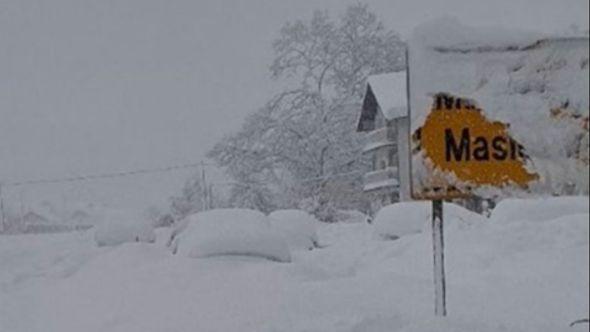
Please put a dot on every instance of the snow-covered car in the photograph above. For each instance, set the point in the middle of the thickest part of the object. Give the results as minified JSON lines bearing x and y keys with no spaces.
{"x":229,"y":232}
{"x":297,"y":227}
{"x":120,"y":226}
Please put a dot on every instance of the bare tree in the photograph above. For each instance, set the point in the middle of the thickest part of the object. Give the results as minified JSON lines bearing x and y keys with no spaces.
{"x":190,"y":200}
{"x":293,"y":147}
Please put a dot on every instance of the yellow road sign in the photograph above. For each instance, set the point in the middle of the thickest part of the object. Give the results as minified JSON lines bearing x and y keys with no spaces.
{"x":459,"y":141}
{"x":497,"y":117}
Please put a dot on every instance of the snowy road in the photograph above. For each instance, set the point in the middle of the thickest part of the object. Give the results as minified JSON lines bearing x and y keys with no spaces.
{"x":517,"y":276}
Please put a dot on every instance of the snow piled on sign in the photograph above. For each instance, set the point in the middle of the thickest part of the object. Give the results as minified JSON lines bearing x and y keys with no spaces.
{"x":297,"y":227}
{"x":449,"y":33}
{"x":517,"y":78}
{"x":511,"y":210}
{"x":230,"y":232}
{"x":120,"y":226}
{"x":406,"y":218}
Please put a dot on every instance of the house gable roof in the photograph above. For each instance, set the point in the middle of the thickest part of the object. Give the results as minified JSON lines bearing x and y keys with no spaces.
{"x":387,"y":93}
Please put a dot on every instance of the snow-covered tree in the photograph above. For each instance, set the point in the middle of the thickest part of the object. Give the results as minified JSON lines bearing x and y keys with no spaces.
{"x":301,"y":145}
{"x":190,"y":200}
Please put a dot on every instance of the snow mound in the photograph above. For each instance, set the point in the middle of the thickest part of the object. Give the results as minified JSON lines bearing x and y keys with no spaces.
{"x":297,"y":227}
{"x":163,"y":235}
{"x":121,"y":226}
{"x":352,"y":217}
{"x":405,"y":218}
{"x":510,"y":210}
{"x":125,"y":257}
{"x":230,"y":232}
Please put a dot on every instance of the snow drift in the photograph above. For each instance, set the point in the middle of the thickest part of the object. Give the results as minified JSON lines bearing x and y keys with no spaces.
{"x":230,"y":232}
{"x":518,"y":276}
{"x":119,"y":226}
{"x":512,"y":210}
{"x":405,"y":218}
{"x":297,"y":227}
{"x":352,"y":216}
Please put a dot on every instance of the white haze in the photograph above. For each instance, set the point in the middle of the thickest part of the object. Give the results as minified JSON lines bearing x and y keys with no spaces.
{"x":98,"y":86}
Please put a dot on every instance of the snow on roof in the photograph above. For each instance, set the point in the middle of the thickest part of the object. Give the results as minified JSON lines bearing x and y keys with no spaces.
{"x":390,"y":92}
{"x":381,"y":184}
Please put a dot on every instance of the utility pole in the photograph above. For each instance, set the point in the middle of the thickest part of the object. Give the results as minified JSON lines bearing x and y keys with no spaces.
{"x":211,"y":197}
{"x":22,"y":208}
{"x":2,"y":212}
{"x":204,"y":187}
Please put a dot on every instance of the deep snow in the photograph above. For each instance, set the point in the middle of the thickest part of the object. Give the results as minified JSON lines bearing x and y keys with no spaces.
{"x":522,"y":275}
{"x":406,"y":218}
{"x":236,"y":232}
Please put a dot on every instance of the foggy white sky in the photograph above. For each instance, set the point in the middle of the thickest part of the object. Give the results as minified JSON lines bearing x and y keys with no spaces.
{"x":99,"y":86}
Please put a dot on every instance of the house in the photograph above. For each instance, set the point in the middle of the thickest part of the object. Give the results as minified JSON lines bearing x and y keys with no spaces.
{"x":384,"y":119}
{"x":33,"y":222}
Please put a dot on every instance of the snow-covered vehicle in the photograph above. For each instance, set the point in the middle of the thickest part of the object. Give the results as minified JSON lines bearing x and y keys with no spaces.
{"x":297,"y":227}
{"x":120,"y":226}
{"x":229,"y":232}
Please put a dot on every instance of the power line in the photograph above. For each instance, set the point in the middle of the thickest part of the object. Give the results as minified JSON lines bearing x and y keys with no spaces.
{"x":134,"y":172}
{"x":306,"y":180}
{"x":106,"y":175}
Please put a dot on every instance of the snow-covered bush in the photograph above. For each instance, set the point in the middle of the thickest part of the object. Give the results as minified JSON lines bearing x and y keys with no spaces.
{"x":120,"y":226}
{"x":352,"y":216}
{"x":546,"y":209}
{"x":230,"y":232}
{"x":297,"y":227}
{"x":404,"y":218}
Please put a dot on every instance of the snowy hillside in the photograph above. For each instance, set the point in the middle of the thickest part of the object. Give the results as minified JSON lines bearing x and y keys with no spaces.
{"x":528,"y":274}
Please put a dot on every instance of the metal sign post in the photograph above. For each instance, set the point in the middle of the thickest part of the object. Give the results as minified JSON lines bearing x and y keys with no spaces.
{"x":440,"y":305}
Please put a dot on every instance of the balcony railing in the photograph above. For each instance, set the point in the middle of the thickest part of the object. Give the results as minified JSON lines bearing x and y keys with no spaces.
{"x":378,"y":138}
{"x":387,"y":177}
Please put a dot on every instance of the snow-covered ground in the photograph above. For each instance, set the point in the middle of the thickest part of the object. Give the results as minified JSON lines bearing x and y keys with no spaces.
{"x":522,"y":275}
